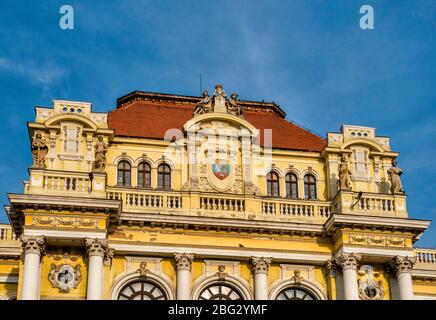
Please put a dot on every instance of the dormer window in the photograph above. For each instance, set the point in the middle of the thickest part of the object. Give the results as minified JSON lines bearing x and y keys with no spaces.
{"x":71,"y":138}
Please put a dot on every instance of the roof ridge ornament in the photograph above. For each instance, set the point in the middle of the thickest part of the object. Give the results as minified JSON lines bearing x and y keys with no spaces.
{"x":219,"y":103}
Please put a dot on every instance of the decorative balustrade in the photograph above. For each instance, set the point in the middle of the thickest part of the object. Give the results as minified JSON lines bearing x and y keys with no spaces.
{"x":369,"y":203}
{"x":138,"y":199}
{"x":214,"y":203}
{"x":296,"y":208}
{"x":65,"y":183}
{"x":426,"y":256}
{"x":374,"y":203}
{"x":6,"y":233}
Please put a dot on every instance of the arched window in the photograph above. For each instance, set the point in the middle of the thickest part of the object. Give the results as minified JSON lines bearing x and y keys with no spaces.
{"x":144,"y":175}
{"x":309,"y":186}
{"x":141,"y":290}
{"x":164,"y":176}
{"x":294,"y":293}
{"x":220,"y":292}
{"x":291,"y":182}
{"x":272,"y":184}
{"x":123,"y":174}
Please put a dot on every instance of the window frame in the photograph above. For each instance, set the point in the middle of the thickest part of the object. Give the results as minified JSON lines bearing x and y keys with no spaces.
{"x":307,"y":187}
{"x":270,"y":183}
{"x":289,"y":183}
{"x":144,"y":175}
{"x":162,"y":176}
{"x":123,"y":171}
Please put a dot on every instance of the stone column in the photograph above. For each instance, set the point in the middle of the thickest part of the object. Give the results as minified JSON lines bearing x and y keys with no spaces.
{"x":402,"y":267}
{"x":97,"y":250}
{"x":348,"y":262}
{"x":34,"y":248}
{"x":260,"y":268}
{"x":183,"y":268}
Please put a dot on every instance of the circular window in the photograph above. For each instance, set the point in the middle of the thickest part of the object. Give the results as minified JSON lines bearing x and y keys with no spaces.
{"x":220,"y":292}
{"x":295,"y":294}
{"x":71,"y":109}
{"x":64,"y":109}
{"x":141,"y":290}
{"x":370,"y":291}
{"x":79,"y":110}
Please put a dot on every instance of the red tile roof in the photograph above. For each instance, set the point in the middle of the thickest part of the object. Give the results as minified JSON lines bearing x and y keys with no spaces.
{"x":151,"y":119}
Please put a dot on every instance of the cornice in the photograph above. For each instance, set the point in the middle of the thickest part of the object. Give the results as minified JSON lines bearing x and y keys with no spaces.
{"x":337,"y":221}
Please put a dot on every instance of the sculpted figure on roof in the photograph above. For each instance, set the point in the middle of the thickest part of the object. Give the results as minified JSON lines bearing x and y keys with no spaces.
{"x":204,"y":105}
{"x":394,"y":176}
{"x":233,"y":107}
{"x":218,"y":103}
{"x":344,"y":174}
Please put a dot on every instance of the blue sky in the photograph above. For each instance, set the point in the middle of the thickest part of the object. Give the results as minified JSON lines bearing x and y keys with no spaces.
{"x":309,"y":56}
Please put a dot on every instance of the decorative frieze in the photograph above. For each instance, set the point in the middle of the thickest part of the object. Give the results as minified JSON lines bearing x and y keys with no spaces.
{"x":183,"y":261}
{"x":348,"y":261}
{"x":260,"y":264}
{"x":33,"y":244}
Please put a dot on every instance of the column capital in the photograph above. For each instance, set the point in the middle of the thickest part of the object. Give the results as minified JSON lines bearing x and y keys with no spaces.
{"x":331,"y":267}
{"x":97,"y":247}
{"x":400,"y":264}
{"x":260,"y":264}
{"x":183,"y":261}
{"x":348,"y":261}
{"x":33,"y":244}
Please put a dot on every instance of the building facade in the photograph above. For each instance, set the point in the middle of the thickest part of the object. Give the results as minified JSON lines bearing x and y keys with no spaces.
{"x":212,"y":197}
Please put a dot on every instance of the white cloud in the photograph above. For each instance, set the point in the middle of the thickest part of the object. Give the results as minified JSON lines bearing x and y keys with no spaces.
{"x":44,"y":76}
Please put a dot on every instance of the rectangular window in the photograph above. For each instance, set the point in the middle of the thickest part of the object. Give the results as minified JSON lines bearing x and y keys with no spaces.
{"x":360,"y":163}
{"x":71,"y":139}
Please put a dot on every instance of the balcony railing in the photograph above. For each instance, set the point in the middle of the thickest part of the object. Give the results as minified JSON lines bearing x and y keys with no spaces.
{"x":426,"y":256}
{"x":217,"y":203}
{"x":297,"y":208}
{"x":6,"y":233}
{"x":149,"y":200}
{"x":368,"y":203}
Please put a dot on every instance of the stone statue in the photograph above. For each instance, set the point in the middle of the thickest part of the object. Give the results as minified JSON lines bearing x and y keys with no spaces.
{"x":219,"y":99}
{"x":100,"y":155}
{"x":344,"y":175}
{"x":394,"y":174}
{"x":39,"y":151}
{"x":233,"y":107}
{"x":204,"y":105}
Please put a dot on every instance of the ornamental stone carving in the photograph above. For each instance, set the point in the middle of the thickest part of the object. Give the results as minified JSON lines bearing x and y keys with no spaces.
{"x":348,"y":261}
{"x":204,"y":105}
{"x":401,"y":264}
{"x":369,"y":287}
{"x":183,"y":261}
{"x":97,"y":247}
{"x":330,"y":268}
{"x":219,"y":103}
{"x":260,"y":264}
{"x":100,"y":155}
{"x":344,"y":175}
{"x":143,"y":270}
{"x":33,"y":244}
{"x":394,"y":174}
{"x":39,"y":151}
{"x":64,"y":277}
